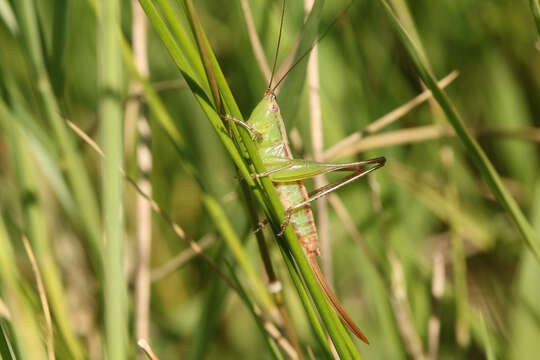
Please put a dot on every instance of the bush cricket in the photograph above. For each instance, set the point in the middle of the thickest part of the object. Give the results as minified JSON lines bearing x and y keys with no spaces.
{"x":267,"y":128}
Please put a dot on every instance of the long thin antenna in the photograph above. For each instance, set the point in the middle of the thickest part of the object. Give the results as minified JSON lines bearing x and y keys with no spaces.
{"x":278,"y":43}
{"x":312,"y":46}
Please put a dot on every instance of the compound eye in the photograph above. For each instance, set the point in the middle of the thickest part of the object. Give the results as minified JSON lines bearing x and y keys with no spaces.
{"x":274,"y":107}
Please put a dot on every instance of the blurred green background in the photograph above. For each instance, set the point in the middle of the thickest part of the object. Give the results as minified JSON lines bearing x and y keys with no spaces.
{"x":429,"y":205}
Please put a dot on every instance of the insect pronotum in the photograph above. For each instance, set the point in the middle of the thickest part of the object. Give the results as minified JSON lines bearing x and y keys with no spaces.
{"x":287,"y":174}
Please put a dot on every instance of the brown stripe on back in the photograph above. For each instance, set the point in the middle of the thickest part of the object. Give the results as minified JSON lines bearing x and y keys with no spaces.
{"x":309,"y":242}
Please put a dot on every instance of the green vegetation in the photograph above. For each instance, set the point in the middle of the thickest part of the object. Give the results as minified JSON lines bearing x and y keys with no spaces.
{"x":436,"y":255}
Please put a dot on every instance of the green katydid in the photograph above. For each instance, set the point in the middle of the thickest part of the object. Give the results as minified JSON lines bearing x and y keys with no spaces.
{"x":287,"y":174}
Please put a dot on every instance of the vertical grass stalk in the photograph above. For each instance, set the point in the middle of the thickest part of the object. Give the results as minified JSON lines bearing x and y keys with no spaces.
{"x":535,"y":8}
{"x":110,"y":114}
{"x":136,"y":115}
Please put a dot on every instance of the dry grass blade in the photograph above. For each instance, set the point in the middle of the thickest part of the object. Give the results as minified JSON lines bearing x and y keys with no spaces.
{"x":145,"y":347}
{"x":393,"y":138}
{"x":530,"y":134}
{"x":87,"y":139}
{"x":274,"y":332}
{"x":401,"y":111}
{"x":4,"y":311}
{"x":169,"y":85}
{"x":181,"y":259}
{"x":344,"y":146}
{"x":423,"y":133}
{"x":42,"y":298}
{"x":437,"y":289}
{"x":402,"y":311}
{"x":135,"y":117}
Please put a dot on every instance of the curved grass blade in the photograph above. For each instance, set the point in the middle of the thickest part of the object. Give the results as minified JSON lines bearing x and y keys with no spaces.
{"x":475,"y":151}
{"x":6,"y":347}
{"x":25,"y":325}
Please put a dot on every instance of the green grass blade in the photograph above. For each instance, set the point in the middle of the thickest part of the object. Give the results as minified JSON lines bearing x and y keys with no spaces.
{"x":473,"y":148}
{"x":25,"y":325}
{"x":60,"y":31}
{"x":484,"y":335}
{"x":459,"y":262}
{"x":402,"y":12}
{"x":525,"y":314}
{"x":110,"y":112}
{"x":230,"y":103}
{"x":201,"y":96}
{"x":535,"y":8}
{"x":306,"y":302}
{"x":227,"y":232}
{"x":8,"y":17}
{"x":6,"y":347}
{"x":190,"y":51}
{"x":486,"y":343}
{"x":172,"y":47}
{"x":509,"y":110}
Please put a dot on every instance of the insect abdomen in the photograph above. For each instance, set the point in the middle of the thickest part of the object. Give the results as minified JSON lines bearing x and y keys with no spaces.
{"x":266,"y":118}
